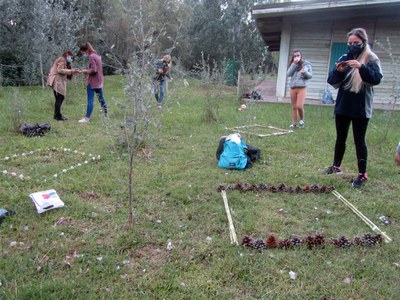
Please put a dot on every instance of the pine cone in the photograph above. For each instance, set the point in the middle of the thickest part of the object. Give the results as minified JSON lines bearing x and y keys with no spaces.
{"x":247,"y":187}
{"x":330,"y":189}
{"x":298,"y":189}
{"x":247,"y":241}
{"x":282,"y":187}
{"x":259,"y":244}
{"x":271,"y":242}
{"x":315,"y":188}
{"x":370,"y":240}
{"x":344,"y":242}
{"x":229,"y":187}
{"x":272,"y":189}
{"x":315,"y":241}
{"x":335,"y":242}
{"x":378,"y":239}
{"x":358,"y":241}
{"x":285,"y":244}
{"x":341,"y":242}
{"x":296,"y":241}
{"x":237,"y":186}
{"x":319,"y":240}
{"x":263,"y":187}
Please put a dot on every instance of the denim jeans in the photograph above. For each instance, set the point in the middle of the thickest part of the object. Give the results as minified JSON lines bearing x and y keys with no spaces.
{"x":90,"y":100}
{"x":159,"y":90}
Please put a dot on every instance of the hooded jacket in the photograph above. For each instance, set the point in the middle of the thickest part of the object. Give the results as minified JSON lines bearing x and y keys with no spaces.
{"x":298,"y":79}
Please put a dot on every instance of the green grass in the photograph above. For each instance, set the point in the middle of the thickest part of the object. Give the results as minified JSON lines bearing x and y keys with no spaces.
{"x":92,"y":254}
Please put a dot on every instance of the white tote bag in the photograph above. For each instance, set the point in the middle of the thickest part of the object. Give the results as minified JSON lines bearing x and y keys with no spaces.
{"x":46,"y":200}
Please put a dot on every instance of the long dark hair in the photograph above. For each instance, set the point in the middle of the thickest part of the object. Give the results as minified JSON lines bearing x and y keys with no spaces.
{"x":69,"y":66}
{"x":300,"y":63}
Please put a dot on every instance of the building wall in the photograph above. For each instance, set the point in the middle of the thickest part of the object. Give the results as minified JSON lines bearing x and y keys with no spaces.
{"x":315,"y":40}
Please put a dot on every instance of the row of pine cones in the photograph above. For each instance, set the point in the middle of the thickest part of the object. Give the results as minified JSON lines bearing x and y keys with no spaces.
{"x":262,"y":187}
{"x":311,"y":242}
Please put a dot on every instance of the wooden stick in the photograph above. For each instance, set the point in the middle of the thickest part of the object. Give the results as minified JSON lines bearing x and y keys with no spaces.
{"x":232,"y":232}
{"x":238,"y":129}
{"x":363,"y":217}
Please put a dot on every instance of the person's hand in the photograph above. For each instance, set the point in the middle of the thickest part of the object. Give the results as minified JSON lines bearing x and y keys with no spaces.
{"x":302,"y":71}
{"x":296,"y":59}
{"x":76,"y":71}
{"x":85,"y":71}
{"x":354,"y":64}
{"x":341,"y":66}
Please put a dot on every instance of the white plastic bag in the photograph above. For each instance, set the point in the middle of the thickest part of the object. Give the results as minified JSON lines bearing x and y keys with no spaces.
{"x":46,"y":200}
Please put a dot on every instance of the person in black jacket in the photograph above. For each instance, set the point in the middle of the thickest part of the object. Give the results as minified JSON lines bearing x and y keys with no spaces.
{"x":355,"y":75}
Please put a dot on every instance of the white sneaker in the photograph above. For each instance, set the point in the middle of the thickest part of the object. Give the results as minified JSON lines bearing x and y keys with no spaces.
{"x":84,"y":120}
{"x":293,"y":126}
{"x":301,"y":123}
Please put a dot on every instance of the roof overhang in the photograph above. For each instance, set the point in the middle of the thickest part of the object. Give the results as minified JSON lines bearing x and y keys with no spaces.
{"x":269,"y":17}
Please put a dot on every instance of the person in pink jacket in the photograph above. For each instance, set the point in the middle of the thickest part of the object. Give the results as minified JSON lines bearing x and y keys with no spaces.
{"x":94,"y":82}
{"x":60,"y":71}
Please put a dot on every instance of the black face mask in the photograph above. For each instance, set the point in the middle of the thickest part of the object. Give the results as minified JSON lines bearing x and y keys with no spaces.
{"x":355,"y":49}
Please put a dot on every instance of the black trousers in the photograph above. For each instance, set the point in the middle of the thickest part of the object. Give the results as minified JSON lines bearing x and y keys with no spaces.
{"x":57,"y":106}
{"x":359,"y":131}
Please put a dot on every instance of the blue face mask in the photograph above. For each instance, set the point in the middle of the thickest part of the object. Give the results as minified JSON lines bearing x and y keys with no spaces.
{"x":69,"y":59}
{"x":85,"y":55}
{"x":355,"y":49}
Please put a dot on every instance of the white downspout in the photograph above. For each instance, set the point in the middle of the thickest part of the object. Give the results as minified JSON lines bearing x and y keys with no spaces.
{"x":283,"y":59}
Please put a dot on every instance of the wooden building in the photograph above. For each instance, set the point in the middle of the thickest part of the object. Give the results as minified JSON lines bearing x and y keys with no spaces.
{"x":319,"y":29}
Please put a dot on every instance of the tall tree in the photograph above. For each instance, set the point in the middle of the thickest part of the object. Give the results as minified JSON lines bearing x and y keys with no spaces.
{"x":207,"y":34}
{"x":245,"y":44}
{"x":33,"y":33}
{"x":224,"y":30}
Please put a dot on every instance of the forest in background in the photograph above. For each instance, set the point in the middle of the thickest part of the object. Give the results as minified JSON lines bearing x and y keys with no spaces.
{"x":34,"y":33}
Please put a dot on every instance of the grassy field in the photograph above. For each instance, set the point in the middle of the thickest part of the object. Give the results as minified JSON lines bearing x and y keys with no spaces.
{"x":179,"y":246}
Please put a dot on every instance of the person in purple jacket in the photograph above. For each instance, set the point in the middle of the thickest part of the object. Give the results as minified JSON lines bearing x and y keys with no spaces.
{"x":355,"y":75}
{"x":94,"y":82}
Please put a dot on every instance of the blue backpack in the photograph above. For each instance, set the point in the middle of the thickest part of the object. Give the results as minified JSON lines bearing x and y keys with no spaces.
{"x":233,"y":156}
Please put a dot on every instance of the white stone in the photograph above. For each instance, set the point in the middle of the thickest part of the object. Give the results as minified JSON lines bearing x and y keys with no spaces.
{"x":292,"y":275}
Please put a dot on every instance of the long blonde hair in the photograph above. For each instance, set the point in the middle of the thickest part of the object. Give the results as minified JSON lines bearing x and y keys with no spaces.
{"x":355,"y":83}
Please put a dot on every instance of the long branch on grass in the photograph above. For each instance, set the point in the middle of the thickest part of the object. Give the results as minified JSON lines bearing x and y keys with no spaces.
{"x":232,"y":233}
{"x":363,"y":217}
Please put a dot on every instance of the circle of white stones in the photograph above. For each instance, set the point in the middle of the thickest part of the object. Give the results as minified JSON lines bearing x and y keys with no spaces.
{"x":22,"y":177}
